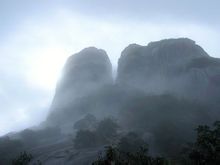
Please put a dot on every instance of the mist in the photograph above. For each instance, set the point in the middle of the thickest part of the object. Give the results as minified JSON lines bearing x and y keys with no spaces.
{"x":41,"y":34}
{"x":80,"y":76}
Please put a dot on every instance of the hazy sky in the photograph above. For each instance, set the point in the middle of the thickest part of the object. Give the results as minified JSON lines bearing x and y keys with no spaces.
{"x":37,"y":36}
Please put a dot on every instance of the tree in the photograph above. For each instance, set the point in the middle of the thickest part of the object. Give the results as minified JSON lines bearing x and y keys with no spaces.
{"x":115,"y":156}
{"x":9,"y":149}
{"x":206,"y":149}
{"x":22,"y":159}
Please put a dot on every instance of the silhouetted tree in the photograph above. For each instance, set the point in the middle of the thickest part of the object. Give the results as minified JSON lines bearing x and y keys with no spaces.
{"x":206,"y":149}
{"x":114,"y":156}
{"x":8,"y":149}
{"x":23,"y":159}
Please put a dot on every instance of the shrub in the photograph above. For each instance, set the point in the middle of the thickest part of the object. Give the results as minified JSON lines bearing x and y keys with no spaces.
{"x":206,"y":149}
{"x":22,"y":159}
{"x":8,"y":149}
{"x":114,"y":156}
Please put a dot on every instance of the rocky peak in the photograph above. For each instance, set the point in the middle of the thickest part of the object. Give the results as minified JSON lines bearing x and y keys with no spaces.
{"x":170,"y":65}
{"x":173,"y":49}
{"x":84,"y":73}
{"x":91,"y":65}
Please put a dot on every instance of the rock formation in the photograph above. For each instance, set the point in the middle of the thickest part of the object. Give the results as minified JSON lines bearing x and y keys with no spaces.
{"x":154,"y":95}
{"x":178,"y":67}
{"x":84,"y":73}
{"x":175,"y":66}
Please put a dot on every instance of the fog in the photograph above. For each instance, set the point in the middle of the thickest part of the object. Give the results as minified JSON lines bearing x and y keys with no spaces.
{"x":69,"y":67}
{"x":160,"y":91}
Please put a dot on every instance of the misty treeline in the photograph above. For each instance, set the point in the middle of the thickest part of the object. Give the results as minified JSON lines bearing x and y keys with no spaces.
{"x":128,"y":148}
{"x":132,"y":148}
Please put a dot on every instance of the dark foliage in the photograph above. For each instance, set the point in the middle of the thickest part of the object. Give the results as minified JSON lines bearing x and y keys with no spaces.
{"x":8,"y":149}
{"x":168,"y":119}
{"x":23,"y":159}
{"x":206,"y":149}
{"x":130,"y":150}
{"x":115,"y":156}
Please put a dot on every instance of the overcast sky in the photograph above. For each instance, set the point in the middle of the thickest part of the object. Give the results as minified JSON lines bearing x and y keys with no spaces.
{"x":37,"y":36}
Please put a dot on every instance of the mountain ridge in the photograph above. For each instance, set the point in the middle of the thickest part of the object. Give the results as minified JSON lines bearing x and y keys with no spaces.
{"x":162,"y":90}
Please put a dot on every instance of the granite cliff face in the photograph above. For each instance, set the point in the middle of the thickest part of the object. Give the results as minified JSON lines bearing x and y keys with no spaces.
{"x":178,"y":67}
{"x":175,"y":66}
{"x":84,"y":73}
{"x":154,"y":95}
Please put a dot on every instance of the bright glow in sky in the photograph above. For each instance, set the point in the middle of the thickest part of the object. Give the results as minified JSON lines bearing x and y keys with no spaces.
{"x":35,"y":46}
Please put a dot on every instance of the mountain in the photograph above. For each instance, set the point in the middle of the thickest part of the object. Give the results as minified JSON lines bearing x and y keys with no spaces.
{"x":84,"y":73}
{"x":176,"y":66}
{"x":162,"y":92}
{"x":172,"y":76}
